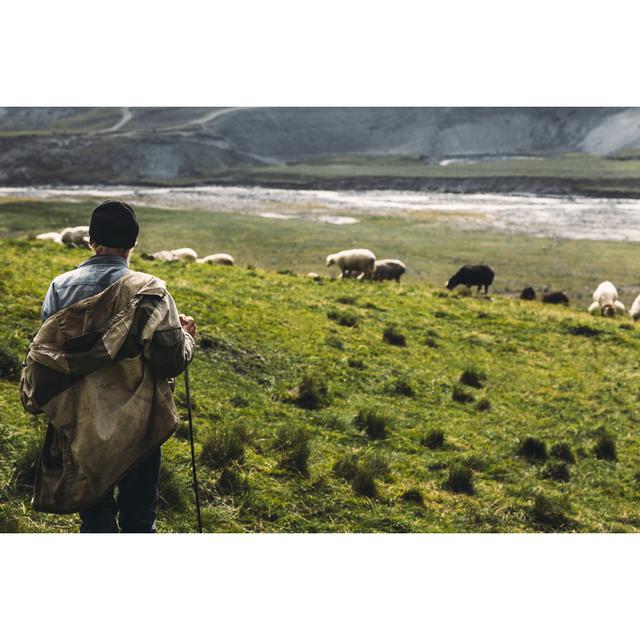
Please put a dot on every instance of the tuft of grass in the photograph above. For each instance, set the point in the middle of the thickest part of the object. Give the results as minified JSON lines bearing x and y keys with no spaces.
{"x":483,"y":405}
{"x":343,"y":318}
{"x":549,"y":513}
{"x":562,"y":451}
{"x":346,"y":466}
{"x":460,"y":479}
{"x":584,"y":330}
{"x":206,"y":342}
{"x":475,"y":462}
{"x":9,"y":364}
{"x":392,"y":335}
{"x":557,"y":471}
{"x":334,"y":342}
{"x":402,"y":387}
{"x":373,"y":422}
{"x":240,"y":401}
{"x":533,"y":449}
{"x":376,"y":464}
{"x":414,"y":496}
{"x":335,"y":422}
{"x":433,"y":439}
{"x":312,"y":393}
{"x":356,"y":363}
{"x":362,"y":474}
{"x":231,"y":481}
{"x":223,"y":445}
{"x":472,"y":377}
{"x":364,"y":484}
{"x":347,"y":300}
{"x":292,"y":441}
{"x":605,"y":448}
{"x":460,"y":394}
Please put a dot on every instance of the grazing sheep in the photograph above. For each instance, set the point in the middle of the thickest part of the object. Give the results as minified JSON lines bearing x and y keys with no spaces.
{"x":388,"y":270}
{"x":528,"y":293}
{"x":75,"y":236}
{"x":605,"y":300}
{"x":634,"y":312}
{"x":352,"y":261}
{"x":217,"y":258}
{"x":555,"y":297}
{"x":476,"y":275}
{"x":53,"y":236}
{"x":188,"y":255}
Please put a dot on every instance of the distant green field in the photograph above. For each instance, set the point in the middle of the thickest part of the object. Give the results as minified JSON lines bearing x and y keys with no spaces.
{"x":426,"y":436}
{"x":574,"y":166}
{"x":432,"y":247}
{"x":568,"y":174}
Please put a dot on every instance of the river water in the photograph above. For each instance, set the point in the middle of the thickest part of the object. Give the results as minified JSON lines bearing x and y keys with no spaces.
{"x":542,"y":216}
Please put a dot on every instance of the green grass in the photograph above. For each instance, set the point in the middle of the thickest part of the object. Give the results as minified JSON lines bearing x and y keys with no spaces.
{"x":580,"y":172}
{"x":432,"y":248}
{"x":574,"y":166}
{"x":274,"y":461}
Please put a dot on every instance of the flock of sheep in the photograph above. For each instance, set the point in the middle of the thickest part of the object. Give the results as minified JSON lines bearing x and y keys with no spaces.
{"x":71,"y":236}
{"x":605,"y":300}
{"x":362,"y":264}
{"x":79,"y":237}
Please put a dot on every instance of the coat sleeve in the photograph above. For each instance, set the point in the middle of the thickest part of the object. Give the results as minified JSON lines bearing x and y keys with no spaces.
{"x":166,"y":346}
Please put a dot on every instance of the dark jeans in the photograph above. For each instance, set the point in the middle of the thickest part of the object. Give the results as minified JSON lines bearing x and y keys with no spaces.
{"x":137,"y":501}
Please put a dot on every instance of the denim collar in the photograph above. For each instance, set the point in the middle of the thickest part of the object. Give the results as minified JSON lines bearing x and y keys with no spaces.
{"x":107,"y":260}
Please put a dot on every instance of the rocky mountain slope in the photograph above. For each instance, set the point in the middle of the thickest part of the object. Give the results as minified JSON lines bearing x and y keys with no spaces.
{"x":174,"y":145}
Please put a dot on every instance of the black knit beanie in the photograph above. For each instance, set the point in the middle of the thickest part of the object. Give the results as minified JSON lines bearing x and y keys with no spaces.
{"x":113,"y":224}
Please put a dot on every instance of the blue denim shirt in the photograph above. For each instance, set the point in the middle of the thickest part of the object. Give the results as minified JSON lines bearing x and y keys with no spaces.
{"x":91,"y":277}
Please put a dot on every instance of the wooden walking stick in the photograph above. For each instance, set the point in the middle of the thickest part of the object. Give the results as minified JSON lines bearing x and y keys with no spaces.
{"x":193,"y":452}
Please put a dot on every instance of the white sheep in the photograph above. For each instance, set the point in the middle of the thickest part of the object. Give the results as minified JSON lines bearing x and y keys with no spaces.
{"x":52,"y":236}
{"x":634,"y":312}
{"x":605,"y":300}
{"x":353,"y":261}
{"x":217,"y":258}
{"x":173,"y":255}
{"x":75,"y":236}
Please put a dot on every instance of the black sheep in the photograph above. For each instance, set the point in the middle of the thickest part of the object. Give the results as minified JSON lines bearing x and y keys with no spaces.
{"x":476,"y":275}
{"x":555,"y":297}
{"x":528,"y":293}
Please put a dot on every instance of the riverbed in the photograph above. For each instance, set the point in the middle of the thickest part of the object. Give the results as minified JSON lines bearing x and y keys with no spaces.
{"x":540,"y":216}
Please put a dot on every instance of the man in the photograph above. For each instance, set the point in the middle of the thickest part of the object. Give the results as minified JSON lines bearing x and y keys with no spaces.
{"x":100,"y":368}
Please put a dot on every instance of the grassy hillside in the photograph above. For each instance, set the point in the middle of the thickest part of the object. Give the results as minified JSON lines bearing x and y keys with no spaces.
{"x":574,"y":174}
{"x":429,"y":435}
{"x":432,"y":245}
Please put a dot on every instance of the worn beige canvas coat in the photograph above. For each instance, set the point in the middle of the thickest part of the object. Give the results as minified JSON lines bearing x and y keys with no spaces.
{"x":100,"y":371}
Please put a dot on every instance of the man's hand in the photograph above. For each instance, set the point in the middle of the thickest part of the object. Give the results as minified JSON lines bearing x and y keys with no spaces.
{"x":188,"y":324}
